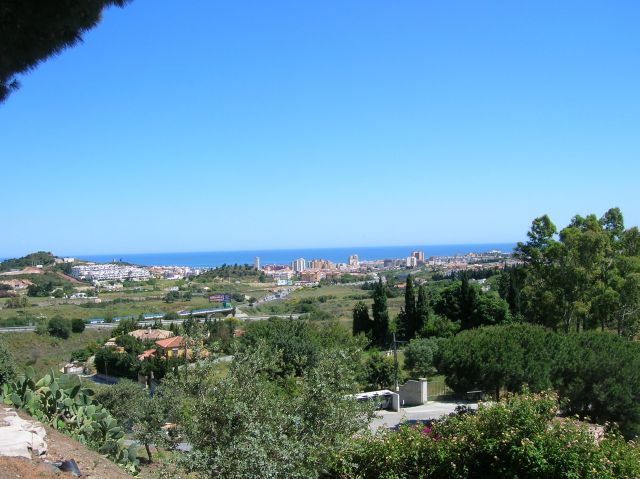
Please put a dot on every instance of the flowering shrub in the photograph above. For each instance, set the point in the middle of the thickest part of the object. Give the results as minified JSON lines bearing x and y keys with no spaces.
{"x":517,"y":437}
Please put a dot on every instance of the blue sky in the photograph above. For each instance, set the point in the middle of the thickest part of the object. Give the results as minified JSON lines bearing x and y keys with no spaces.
{"x":206,"y":125}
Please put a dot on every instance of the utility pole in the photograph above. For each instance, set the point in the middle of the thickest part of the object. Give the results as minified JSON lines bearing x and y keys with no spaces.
{"x":395,"y":362}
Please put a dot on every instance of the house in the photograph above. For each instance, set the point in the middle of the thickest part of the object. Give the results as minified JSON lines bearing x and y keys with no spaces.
{"x":175,"y":347}
{"x":150,"y":334}
{"x":149,"y":353}
{"x":171,"y":347}
{"x":73,"y":368}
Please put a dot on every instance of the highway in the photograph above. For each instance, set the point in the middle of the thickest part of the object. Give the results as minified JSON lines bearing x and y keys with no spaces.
{"x":100,"y":326}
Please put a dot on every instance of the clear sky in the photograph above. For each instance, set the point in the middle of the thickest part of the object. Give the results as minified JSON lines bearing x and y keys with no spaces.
{"x":208,"y":125}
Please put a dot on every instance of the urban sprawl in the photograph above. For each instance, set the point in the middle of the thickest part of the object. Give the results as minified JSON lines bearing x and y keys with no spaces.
{"x":302,"y":271}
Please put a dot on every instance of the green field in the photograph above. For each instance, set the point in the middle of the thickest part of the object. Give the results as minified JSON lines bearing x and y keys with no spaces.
{"x":134,"y":300}
{"x":44,"y":352}
{"x":338,"y":300}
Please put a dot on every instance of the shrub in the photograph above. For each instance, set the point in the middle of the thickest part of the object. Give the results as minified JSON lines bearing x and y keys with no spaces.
{"x":77,"y":325}
{"x":7,"y":365}
{"x":59,"y":327}
{"x":516,"y":437}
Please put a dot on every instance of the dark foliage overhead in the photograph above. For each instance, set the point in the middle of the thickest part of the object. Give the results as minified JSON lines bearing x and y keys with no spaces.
{"x":33,"y":30}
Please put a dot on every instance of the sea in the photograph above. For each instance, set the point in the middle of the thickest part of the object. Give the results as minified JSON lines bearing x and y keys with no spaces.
{"x":213,"y":259}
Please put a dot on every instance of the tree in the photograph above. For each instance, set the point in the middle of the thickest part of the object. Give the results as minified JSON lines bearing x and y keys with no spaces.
{"x":499,"y":357}
{"x":587,"y":278}
{"x":32,"y":31}
{"x":380,"y":330}
{"x":361,"y":321}
{"x":77,"y":325}
{"x":59,"y":327}
{"x":510,"y":282}
{"x":124,"y":400}
{"x":379,"y":372}
{"x":598,"y":374}
{"x":243,"y":425}
{"x":125,"y":326}
{"x":297,"y":343}
{"x":7,"y":365}
{"x":464,"y":304}
{"x":172,"y":296}
{"x":423,"y":310}
{"x":148,"y":425}
{"x":407,"y":318}
{"x":420,"y":355}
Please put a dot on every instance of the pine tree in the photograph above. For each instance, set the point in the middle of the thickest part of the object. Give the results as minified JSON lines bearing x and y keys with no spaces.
{"x":380,"y":312}
{"x":361,"y":321}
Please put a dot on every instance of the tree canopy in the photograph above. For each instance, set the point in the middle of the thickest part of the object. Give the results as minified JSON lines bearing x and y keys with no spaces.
{"x":33,"y":30}
{"x":583,"y":277}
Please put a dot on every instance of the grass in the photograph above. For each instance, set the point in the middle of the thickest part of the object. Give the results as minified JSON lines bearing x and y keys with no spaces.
{"x":46,"y":352}
{"x":131,"y":301}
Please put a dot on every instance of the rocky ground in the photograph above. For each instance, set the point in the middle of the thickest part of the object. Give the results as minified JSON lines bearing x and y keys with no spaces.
{"x":59,"y":447}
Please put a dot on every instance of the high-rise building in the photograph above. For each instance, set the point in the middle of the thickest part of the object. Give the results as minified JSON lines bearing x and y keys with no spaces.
{"x":419,"y":256}
{"x":256,"y":263}
{"x":353,"y":260}
{"x":412,"y":262}
{"x":299,"y":265}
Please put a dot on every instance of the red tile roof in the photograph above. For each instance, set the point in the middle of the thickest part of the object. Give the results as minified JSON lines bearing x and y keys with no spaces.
{"x":147,"y":354}
{"x":175,"y":342}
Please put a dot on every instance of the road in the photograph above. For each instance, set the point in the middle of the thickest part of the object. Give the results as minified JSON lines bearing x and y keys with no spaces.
{"x":104,"y":326}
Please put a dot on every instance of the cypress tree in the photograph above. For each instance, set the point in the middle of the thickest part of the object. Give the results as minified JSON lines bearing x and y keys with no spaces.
{"x":380,"y":312}
{"x":468,"y":302}
{"x":423,"y":310}
{"x":361,"y":320}
{"x":407,"y":321}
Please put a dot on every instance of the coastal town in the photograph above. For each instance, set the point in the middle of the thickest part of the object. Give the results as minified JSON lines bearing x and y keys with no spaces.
{"x":300,"y":271}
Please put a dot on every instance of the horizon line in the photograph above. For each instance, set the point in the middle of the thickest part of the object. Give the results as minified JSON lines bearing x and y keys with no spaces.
{"x":297,"y":248}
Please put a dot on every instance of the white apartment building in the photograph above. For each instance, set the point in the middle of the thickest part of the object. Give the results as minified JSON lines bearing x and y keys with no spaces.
{"x":299,"y":265}
{"x":109,"y":272}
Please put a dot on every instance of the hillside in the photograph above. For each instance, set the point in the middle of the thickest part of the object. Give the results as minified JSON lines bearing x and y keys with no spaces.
{"x":41,"y":257}
{"x":60,"y":447}
{"x":46,"y":352}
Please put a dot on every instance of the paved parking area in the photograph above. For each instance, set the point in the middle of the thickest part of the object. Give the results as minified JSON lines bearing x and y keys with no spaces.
{"x":429,"y":410}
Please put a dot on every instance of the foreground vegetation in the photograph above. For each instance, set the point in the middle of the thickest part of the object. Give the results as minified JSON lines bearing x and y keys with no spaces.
{"x":517,"y":437}
{"x":564,"y":320}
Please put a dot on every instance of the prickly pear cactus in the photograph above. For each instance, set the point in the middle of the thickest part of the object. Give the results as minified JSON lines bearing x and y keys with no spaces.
{"x":64,"y":403}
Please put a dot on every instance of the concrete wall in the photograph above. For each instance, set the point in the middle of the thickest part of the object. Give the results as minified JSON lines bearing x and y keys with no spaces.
{"x":413,"y":393}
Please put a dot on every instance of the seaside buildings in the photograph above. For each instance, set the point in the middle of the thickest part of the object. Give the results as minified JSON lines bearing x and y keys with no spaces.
{"x":109,"y":272}
{"x":256,"y":263}
{"x":299,"y":265}
{"x":419,"y":256}
{"x":353,"y":260}
{"x":411,"y":262}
